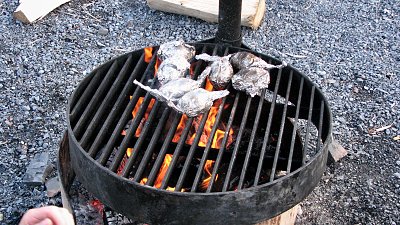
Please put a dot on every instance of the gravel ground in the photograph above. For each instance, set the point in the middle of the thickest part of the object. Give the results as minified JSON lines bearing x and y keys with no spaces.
{"x":351,"y":49}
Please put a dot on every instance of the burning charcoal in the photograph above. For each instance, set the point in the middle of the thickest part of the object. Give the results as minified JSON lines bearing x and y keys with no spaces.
{"x":242,"y":60}
{"x":198,"y":101}
{"x":175,"y":48}
{"x":221,"y":71}
{"x":252,"y":80}
{"x":172,"y":68}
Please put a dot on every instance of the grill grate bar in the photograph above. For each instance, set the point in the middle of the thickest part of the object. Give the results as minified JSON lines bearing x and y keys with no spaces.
{"x":235,"y":150}
{"x":107,"y":125}
{"x":108,"y":100}
{"x":282,"y":125}
{"x":210,"y":139}
{"x":177,"y":151}
{"x":136,"y":149}
{"x":160,"y":158}
{"x":150,"y":149}
{"x":267,"y":130}
{"x":223,"y":144}
{"x":129,"y":137}
{"x":86,"y":96}
{"x":178,"y":148}
{"x":251,"y":142}
{"x":192,"y":150}
{"x":91,"y":107}
{"x":310,"y":112}
{"x":321,"y":121}
{"x":125,"y":117}
{"x":289,"y":165}
{"x":208,"y":146}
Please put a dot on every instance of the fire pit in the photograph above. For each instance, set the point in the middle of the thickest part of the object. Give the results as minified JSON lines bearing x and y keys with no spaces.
{"x":246,"y":160}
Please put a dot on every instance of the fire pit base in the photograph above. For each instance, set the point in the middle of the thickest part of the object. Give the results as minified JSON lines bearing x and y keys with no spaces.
{"x":110,"y":217}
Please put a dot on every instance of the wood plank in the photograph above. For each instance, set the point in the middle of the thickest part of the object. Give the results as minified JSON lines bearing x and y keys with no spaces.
{"x":286,"y":218}
{"x":30,"y":11}
{"x":252,"y":10}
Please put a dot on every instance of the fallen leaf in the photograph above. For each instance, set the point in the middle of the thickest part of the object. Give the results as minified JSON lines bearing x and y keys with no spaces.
{"x":397,"y":138}
{"x":376,"y":130}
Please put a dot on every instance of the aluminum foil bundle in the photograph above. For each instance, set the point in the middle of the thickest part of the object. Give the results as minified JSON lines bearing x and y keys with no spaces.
{"x":172,"y":68}
{"x":242,"y":60}
{"x":173,"y":90}
{"x":221,"y":70}
{"x":198,"y":101}
{"x":185,"y":96}
{"x":252,"y":80}
{"x":176,"y":48}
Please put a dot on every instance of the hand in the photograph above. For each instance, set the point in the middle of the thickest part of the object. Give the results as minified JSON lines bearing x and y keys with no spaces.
{"x":48,"y":215}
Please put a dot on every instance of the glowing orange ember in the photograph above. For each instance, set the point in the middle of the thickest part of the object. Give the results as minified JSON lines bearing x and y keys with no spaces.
{"x":207,"y":169}
{"x":205,"y":134}
{"x":148,"y":54}
{"x":96,"y":204}
{"x":161,"y":174}
{"x":146,"y":115}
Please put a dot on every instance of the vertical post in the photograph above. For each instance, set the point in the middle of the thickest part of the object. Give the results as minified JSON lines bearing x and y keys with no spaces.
{"x":229,"y":19}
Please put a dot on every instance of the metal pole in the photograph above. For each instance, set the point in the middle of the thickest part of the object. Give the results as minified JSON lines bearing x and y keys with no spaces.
{"x":229,"y":18}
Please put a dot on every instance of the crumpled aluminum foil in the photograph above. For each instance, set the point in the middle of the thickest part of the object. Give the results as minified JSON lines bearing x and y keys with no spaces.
{"x":172,"y":68}
{"x":173,"y":90}
{"x":198,"y":101}
{"x":252,"y":80}
{"x":242,"y":60}
{"x":185,"y":96}
{"x":175,"y":48}
{"x":221,"y":70}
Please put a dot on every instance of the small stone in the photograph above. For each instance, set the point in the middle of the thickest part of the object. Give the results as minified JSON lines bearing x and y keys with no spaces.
{"x":9,"y":123}
{"x":102,"y":31}
{"x":397,"y":175}
{"x":26,"y":107}
{"x":35,"y":171}
{"x":330,"y":81}
{"x":398,"y":162}
{"x":53,"y":187}
{"x":1,"y":214}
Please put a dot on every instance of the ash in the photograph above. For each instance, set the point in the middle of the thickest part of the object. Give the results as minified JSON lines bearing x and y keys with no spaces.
{"x":89,"y":210}
{"x":350,"y":49}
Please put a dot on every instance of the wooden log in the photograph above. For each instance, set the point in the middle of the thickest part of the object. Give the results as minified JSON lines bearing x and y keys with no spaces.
{"x":252,"y":10}
{"x":336,"y":152}
{"x":286,"y":218}
{"x":30,"y":11}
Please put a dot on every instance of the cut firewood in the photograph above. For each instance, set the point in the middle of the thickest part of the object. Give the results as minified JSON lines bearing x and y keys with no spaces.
{"x":336,"y":152}
{"x":286,"y":218}
{"x":252,"y":10}
{"x":30,"y":11}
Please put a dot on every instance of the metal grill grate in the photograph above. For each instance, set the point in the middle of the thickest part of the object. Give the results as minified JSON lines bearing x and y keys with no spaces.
{"x":279,"y":144}
{"x":103,"y":106}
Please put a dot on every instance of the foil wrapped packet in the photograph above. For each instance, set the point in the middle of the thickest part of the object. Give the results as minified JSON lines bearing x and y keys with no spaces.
{"x":252,"y":80}
{"x":242,"y":60}
{"x":172,"y":68}
{"x":221,"y":70}
{"x":173,"y":90}
{"x":198,"y":101}
{"x":185,"y":95}
{"x":176,"y":48}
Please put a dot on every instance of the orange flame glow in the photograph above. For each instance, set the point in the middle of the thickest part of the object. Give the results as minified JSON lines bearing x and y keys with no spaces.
{"x":148,"y":54}
{"x":205,"y":134}
{"x":161,"y":174}
{"x":207,"y":169}
{"x":146,"y":115}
